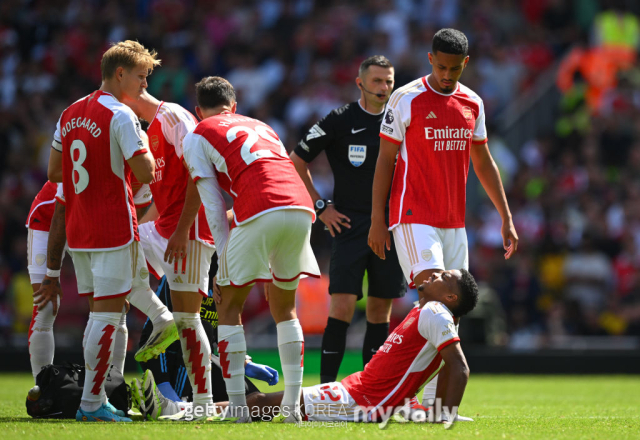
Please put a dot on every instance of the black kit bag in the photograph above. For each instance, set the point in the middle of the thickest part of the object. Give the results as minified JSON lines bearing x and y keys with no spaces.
{"x":61,"y":391}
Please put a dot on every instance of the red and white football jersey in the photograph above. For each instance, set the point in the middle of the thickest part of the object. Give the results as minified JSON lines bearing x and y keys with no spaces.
{"x":435,"y":133}
{"x":42,"y":208}
{"x":409,"y":358}
{"x":250,"y":163}
{"x":96,"y":136}
{"x":141,"y":193}
{"x":166,"y":133}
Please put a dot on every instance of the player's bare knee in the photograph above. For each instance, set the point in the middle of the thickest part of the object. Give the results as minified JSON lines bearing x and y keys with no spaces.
{"x":378,"y":310}
{"x":342,"y":306}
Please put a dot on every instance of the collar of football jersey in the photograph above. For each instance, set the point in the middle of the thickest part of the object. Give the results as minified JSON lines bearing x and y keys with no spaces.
{"x":426,"y":81}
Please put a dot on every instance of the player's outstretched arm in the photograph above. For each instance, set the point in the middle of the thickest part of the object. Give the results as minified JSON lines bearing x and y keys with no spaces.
{"x":331,"y":217}
{"x":177,"y":244}
{"x":458,"y":375}
{"x":143,"y":167}
{"x":54,"y":169}
{"x":379,"y":236}
{"x":489,"y":177}
{"x":216,"y":210}
{"x":50,"y":288}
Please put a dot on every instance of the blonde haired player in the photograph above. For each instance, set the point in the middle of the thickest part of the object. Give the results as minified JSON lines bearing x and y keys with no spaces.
{"x":97,"y":146}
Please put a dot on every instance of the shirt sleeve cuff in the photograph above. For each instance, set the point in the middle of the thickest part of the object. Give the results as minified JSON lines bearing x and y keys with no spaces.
{"x":480,"y":142}
{"x":390,"y":139}
{"x":57,"y":146}
{"x":447,"y":343}
{"x":139,"y":152}
{"x":60,"y":200}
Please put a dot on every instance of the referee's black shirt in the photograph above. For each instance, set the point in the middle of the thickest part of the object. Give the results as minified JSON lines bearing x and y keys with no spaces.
{"x":350,"y":136}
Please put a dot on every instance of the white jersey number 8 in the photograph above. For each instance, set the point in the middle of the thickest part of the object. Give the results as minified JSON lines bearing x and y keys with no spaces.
{"x":252,"y":137}
{"x":82,"y":174}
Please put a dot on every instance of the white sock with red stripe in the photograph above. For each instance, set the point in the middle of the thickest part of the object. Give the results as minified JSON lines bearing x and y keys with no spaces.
{"x":430,"y":391}
{"x":120,"y":347}
{"x":41,"y":342}
{"x":232,"y":347}
{"x":87,"y":330}
{"x":196,"y":353}
{"x":291,"y":348}
{"x":148,"y":303}
{"x":98,"y":355}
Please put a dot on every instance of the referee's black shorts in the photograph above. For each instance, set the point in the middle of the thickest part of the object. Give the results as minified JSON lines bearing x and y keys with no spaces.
{"x":351,"y":256}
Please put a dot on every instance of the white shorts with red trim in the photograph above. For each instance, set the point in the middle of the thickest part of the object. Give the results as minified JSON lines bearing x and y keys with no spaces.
{"x":423,"y":247}
{"x":110,"y":274}
{"x":330,"y":402}
{"x":189,"y":274}
{"x":37,"y":255}
{"x":273,"y":247}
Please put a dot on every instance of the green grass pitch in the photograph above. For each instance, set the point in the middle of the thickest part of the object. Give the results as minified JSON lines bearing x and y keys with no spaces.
{"x":504,"y":407}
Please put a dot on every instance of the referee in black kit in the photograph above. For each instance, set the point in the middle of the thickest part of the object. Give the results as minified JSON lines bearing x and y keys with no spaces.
{"x":350,"y":137}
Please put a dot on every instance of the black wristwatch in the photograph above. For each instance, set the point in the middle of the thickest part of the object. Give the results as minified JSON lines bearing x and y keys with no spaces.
{"x":321,"y":205}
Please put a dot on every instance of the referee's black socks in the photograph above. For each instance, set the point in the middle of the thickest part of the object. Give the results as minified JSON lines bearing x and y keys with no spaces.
{"x":334,"y":342}
{"x":374,"y":337}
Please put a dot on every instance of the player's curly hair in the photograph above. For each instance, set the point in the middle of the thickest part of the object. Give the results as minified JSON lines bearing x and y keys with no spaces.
{"x":468,"y":294}
{"x":127,"y":54}
{"x":450,"y":41}
{"x":213,"y":91}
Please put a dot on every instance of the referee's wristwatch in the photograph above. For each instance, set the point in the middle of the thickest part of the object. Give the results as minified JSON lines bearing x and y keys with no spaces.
{"x":321,"y":205}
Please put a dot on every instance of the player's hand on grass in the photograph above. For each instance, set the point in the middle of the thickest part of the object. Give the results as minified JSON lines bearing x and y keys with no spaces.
{"x":261,"y":372}
{"x":509,"y":239}
{"x":177,"y":246}
{"x":333,"y":219}
{"x":379,"y":238}
{"x":48,"y":293}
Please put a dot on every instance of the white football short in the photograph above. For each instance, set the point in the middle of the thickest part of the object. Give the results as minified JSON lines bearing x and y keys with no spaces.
{"x":330,"y":402}
{"x":37,"y":255}
{"x":423,"y":247}
{"x":273,"y":247}
{"x":110,"y":274}
{"x":189,"y":274}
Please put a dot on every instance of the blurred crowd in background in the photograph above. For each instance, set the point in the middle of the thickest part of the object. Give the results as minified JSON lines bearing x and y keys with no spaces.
{"x":574,"y":190}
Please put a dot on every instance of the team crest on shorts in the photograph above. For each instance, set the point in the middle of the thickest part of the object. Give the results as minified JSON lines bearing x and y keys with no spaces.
{"x":155,"y":142}
{"x":144,"y":273}
{"x":357,"y":154}
{"x":408,"y":323}
{"x":467,"y":113}
{"x":426,"y":254}
{"x":41,"y":259}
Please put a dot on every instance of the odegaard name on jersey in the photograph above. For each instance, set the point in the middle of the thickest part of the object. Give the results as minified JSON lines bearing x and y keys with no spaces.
{"x":80,"y":122}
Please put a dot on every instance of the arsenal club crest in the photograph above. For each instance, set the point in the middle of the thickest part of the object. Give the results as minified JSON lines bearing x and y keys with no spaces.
{"x":467,"y":113}
{"x":155,"y":142}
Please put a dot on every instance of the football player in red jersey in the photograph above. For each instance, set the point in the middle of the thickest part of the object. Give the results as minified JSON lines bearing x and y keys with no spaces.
{"x":175,"y":235}
{"x":46,"y":245}
{"x":272,"y":217}
{"x":411,"y":356}
{"x":97,"y":146}
{"x":436,"y":124}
